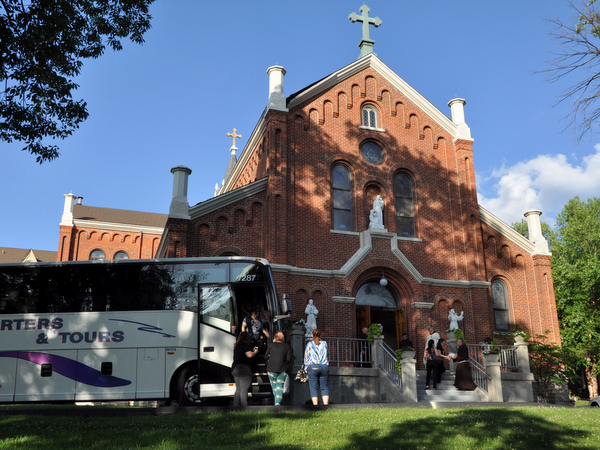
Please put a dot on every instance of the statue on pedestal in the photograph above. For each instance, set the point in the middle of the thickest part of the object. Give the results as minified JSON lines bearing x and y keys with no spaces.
{"x":376,"y":214}
{"x":311,"y":312}
{"x":454,"y":318}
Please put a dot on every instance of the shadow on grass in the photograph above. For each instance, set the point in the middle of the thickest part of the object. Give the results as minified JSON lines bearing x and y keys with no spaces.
{"x":390,"y":428}
{"x":475,"y":428}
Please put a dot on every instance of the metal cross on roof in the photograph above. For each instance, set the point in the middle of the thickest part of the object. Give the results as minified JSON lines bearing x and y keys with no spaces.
{"x":234,"y":135}
{"x":366,"y":44}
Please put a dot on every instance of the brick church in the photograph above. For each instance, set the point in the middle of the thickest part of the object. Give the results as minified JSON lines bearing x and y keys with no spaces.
{"x":362,"y":195}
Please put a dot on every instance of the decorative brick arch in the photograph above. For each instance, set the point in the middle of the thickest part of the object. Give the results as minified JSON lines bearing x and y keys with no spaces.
{"x":229,"y":251}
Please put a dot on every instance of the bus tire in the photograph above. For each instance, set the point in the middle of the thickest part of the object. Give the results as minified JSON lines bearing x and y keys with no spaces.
{"x":188,"y":387}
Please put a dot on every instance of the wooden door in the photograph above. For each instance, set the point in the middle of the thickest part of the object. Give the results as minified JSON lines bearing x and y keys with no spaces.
{"x":363,"y":319}
{"x":400,"y":326}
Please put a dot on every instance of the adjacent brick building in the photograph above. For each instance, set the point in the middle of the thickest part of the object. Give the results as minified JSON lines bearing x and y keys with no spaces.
{"x":302,"y":192}
{"x":90,"y":232}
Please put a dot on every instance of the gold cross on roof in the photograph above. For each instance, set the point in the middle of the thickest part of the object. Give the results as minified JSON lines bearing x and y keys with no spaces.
{"x":234,"y":135}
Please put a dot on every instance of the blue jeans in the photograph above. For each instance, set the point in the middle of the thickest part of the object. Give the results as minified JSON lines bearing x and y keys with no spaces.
{"x":318,"y":377}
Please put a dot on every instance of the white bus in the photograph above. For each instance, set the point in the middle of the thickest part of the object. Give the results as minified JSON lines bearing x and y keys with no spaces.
{"x":128,"y":329}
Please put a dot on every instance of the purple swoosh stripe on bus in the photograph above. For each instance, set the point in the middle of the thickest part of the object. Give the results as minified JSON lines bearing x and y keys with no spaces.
{"x":70,"y":369}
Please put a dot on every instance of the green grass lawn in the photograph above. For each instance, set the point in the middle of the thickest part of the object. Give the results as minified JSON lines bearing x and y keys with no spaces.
{"x":365,"y":428}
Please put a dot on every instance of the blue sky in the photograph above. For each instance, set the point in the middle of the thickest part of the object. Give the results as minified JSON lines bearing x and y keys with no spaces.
{"x":202,"y":72}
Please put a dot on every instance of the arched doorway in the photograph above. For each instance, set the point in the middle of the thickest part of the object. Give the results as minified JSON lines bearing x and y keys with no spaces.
{"x":380,"y":304}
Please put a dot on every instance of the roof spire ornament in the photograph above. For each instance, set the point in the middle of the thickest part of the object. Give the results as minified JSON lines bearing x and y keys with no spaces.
{"x":366,"y":44}
{"x":234,"y":135}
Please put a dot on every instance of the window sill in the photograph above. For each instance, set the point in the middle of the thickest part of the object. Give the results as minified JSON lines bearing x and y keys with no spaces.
{"x":362,"y":127}
{"x":412,"y":239}
{"x":349,"y":233}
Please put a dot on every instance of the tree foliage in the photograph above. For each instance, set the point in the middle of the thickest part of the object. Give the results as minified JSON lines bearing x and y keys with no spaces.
{"x":576,"y":273}
{"x":547,"y":361}
{"x":42,"y":47}
{"x":579,"y":56}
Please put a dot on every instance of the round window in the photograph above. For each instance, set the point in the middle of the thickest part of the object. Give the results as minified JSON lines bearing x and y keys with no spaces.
{"x":371,"y":152}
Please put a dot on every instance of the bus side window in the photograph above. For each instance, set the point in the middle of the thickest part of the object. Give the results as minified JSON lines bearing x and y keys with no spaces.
{"x":216,"y":306}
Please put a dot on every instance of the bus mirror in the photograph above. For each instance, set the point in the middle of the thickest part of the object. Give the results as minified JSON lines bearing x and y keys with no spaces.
{"x":286,"y":305}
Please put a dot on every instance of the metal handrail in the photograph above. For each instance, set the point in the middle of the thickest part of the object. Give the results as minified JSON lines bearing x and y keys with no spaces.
{"x":508,"y":359}
{"x":508,"y":355}
{"x":344,"y":352}
{"x":480,"y":376}
{"x":388,"y":364}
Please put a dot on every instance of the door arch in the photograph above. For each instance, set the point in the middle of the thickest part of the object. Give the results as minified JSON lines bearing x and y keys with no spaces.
{"x":380,"y":304}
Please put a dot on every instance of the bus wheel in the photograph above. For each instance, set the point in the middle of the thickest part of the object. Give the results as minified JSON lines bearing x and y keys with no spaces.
{"x":188,"y":387}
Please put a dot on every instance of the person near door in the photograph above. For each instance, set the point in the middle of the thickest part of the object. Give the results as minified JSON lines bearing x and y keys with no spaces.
{"x":241,"y":369}
{"x":316,"y":361}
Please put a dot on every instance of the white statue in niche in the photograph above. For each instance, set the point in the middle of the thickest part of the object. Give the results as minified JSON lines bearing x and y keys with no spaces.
{"x":376,"y":214}
{"x":311,"y":312}
{"x":454,"y":318}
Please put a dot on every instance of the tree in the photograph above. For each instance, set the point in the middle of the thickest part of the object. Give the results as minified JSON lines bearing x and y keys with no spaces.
{"x":579,"y":55}
{"x":42,"y":46}
{"x":547,"y":362}
{"x":576,"y":273}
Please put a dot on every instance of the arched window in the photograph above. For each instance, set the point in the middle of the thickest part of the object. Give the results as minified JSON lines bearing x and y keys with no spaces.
{"x":373,"y":294}
{"x":121,"y":255}
{"x":369,"y":116}
{"x":341,"y":194}
{"x":405,"y":208}
{"x":97,"y":255}
{"x":500,"y":305}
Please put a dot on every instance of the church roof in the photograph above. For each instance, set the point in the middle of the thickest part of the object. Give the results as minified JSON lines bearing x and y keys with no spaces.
{"x":371,"y":60}
{"x":17,"y":255}
{"x":118,"y":216}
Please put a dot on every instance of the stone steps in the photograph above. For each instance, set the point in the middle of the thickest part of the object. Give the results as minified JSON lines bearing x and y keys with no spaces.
{"x":446,"y":392}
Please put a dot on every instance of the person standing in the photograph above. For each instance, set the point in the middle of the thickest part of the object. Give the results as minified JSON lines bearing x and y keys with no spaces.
{"x":405,"y":342}
{"x":316,"y":363}
{"x":441,"y":368}
{"x":278,"y":363}
{"x":255,"y":326}
{"x":431,"y":365}
{"x":464,"y":379}
{"x":241,"y":368}
{"x":433,"y":335}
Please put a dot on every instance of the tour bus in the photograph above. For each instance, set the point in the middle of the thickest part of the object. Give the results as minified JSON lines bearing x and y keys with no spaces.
{"x":128,"y":329}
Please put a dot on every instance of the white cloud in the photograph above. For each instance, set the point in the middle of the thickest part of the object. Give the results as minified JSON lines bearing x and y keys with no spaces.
{"x":545,"y":182}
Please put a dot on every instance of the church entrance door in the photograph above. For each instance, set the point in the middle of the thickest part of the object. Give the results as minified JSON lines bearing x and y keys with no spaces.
{"x":379,"y":304}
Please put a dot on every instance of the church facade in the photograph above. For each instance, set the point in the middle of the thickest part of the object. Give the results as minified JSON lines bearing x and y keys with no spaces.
{"x":362,"y":196}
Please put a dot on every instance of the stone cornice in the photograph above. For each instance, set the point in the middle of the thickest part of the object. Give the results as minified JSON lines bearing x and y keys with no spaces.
{"x":422,"y":305}
{"x":228,"y":198}
{"x":339,"y":299}
{"x":117,"y":227}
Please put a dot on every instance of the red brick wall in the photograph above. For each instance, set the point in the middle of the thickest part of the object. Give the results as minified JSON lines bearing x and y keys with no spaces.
{"x":76,"y":244}
{"x":532,"y":305}
{"x":291,"y":223}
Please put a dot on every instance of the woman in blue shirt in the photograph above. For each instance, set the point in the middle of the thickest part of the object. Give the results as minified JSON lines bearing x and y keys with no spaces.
{"x":317,"y":367}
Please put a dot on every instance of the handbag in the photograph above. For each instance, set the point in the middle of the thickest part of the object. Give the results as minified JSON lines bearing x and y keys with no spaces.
{"x":286,"y":384}
{"x":301,"y":376}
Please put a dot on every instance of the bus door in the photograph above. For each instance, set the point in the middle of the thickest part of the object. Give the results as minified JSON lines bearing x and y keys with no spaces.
{"x":217,"y":321}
